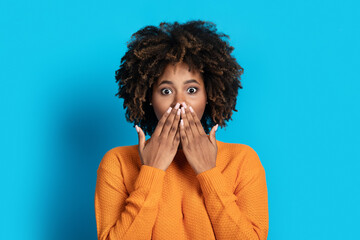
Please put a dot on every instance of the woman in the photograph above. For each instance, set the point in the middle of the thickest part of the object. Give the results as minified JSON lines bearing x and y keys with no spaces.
{"x":177,"y":82}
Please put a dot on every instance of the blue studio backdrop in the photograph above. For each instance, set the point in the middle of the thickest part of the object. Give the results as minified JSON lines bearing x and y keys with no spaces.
{"x":299,"y":108}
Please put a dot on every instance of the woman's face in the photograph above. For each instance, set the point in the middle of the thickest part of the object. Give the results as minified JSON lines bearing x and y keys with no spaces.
{"x":177,"y":85}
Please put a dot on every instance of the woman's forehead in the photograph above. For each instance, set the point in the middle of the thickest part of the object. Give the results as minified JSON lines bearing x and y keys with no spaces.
{"x":179,"y":69}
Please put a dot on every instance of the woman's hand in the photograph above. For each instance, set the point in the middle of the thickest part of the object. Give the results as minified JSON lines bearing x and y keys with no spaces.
{"x":200,"y":149}
{"x":161,"y":148}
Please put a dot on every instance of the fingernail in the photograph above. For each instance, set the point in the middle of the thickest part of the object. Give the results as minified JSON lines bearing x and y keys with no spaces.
{"x":184,"y":104}
{"x":216,"y":127}
{"x":178,"y":112}
{"x":183,"y":110}
{"x":191,"y":109}
{"x":177,"y":105}
{"x":137,"y":128}
{"x":169,"y":110}
{"x":182,"y":122}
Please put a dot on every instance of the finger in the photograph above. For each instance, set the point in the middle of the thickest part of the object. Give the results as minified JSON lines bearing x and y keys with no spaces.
{"x":177,"y":138}
{"x":183,"y":136}
{"x":161,"y":122}
{"x":175,"y":126}
{"x":170,"y":121}
{"x":141,"y":137}
{"x":212,"y":134}
{"x":196,"y":120}
{"x":187,"y":127}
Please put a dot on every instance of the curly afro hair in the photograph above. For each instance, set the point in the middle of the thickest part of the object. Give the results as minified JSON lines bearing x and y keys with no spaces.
{"x":196,"y":43}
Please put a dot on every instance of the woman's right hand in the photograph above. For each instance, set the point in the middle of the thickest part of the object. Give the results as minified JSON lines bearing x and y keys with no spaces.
{"x":161,"y":148}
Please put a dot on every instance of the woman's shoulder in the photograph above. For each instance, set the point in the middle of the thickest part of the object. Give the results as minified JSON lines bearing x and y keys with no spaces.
{"x":238,"y":152}
{"x":118,"y":155}
{"x":235,"y":147}
{"x":120,"y":150}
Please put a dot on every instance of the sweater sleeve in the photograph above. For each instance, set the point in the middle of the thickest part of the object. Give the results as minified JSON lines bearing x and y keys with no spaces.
{"x":239,"y":214}
{"x":123,"y":215}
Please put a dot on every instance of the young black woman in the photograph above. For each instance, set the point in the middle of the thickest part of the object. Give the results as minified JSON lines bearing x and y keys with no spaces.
{"x":179,"y":82}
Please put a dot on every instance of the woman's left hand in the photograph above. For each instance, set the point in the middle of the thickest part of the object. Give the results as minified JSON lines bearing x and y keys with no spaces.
{"x":200,"y":149}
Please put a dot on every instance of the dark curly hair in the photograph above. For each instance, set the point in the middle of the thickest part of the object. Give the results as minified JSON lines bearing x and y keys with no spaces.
{"x":195,"y":43}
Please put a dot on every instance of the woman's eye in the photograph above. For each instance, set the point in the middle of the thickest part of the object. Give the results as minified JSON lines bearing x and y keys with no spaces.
{"x":192,"y":90}
{"x":165,"y":91}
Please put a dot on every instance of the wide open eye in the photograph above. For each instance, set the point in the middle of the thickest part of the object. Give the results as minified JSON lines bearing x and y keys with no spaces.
{"x":165,"y":91}
{"x":192,"y":90}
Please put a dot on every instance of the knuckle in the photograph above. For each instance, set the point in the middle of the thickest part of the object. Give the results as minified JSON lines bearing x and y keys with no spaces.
{"x":162,"y":121}
{"x":164,"y":117}
{"x":167,"y":123}
{"x":159,"y":125}
{"x":160,"y":139}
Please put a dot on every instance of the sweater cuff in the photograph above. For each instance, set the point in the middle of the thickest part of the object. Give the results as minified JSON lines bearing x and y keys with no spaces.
{"x":150,"y":178}
{"x":211,"y":181}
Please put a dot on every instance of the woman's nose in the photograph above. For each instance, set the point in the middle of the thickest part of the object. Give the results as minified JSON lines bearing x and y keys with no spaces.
{"x":179,"y":98}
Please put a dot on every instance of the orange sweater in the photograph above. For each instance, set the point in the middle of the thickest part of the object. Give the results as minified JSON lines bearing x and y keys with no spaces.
{"x":135,"y":201}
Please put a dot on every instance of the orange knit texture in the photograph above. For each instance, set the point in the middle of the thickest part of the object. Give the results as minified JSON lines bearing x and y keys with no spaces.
{"x":135,"y":201}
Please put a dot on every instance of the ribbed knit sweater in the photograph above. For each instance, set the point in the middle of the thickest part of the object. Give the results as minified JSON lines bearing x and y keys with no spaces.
{"x":135,"y":201}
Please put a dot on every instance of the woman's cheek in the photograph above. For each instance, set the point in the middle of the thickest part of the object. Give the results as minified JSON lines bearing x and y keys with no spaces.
{"x":160,"y":107}
{"x":199,"y":109}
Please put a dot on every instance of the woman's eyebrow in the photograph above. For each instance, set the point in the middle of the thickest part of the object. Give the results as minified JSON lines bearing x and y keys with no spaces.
{"x":186,"y":82}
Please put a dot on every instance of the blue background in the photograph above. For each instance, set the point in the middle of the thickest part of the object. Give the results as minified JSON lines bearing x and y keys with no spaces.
{"x":299,"y":109}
